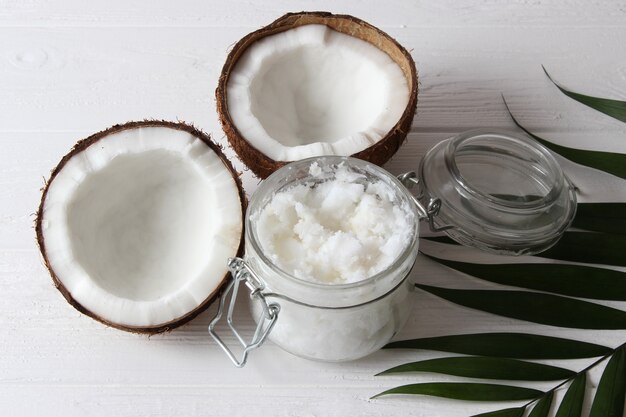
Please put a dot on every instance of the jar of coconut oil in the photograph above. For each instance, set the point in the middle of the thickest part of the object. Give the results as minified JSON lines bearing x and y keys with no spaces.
{"x":330,"y":241}
{"x":329,"y":245}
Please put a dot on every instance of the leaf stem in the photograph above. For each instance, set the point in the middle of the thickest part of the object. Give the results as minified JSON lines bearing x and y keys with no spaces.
{"x":603,"y":358}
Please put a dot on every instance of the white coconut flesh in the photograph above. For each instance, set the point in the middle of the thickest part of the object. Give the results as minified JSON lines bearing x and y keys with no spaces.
{"x":138,"y":226}
{"x":313,"y":91}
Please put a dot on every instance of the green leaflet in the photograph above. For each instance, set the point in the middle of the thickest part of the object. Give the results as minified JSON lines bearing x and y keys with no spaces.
{"x":506,"y":345}
{"x":542,"y":408}
{"x":571,"y":280}
{"x":572,"y":403}
{"x":610,"y":162}
{"x":441,"y":239}
{"x":613,"y":108}
{"x":535,"y":307}
{"x":588,"y":247}
{"x":609,"y":398}
{"x":485,"y":367}
{"x":507,"y":412}
{"x":466,"y":391}
{"x":601,"y":217}
{"x":596,"y":217}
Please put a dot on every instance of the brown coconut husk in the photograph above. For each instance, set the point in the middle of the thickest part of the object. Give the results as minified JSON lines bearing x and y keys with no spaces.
{"x":91,"y":140}
{"x":380,"y":152}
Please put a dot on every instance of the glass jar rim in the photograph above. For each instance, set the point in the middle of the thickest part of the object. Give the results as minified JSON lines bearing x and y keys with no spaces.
{"x":268,"y":186}
{"x":547,"y":161}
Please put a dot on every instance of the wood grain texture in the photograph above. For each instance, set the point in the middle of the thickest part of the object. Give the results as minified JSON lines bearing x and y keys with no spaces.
{"x":70,"y":68}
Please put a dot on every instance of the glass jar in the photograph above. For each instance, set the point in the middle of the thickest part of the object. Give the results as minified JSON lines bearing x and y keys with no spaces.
{"x":493,"y":190}
{"x":329,"y":322}
{"x":497,"y":191}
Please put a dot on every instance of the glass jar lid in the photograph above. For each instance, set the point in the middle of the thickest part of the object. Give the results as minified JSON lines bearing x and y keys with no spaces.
{"x":497,"y":191}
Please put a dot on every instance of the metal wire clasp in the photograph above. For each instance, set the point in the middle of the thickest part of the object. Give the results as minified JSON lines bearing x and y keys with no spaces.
{"x":410,"y":180}
{"x":240,"y":271}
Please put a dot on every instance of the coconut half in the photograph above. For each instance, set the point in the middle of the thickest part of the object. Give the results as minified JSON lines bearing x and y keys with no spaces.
{"x":136,"y":223}
{"x":314,"y":83}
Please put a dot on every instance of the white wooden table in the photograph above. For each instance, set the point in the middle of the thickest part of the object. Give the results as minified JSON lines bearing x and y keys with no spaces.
{"x":69,"y":68}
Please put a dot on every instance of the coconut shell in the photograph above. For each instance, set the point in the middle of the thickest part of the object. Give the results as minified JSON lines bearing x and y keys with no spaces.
{"x":380,"y":152}
{"x":84,"y":144}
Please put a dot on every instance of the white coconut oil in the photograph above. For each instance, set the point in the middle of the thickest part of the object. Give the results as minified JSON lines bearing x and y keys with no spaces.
{"x":337,"y":231}
{"x":333,"y":240}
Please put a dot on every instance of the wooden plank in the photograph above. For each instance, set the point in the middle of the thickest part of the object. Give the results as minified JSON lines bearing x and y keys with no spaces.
{"x":246,"y":13}
{"x":81,"y":79}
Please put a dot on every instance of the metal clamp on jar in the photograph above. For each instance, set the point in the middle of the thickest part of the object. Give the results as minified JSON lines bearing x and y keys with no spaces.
{"x":493,"y":190}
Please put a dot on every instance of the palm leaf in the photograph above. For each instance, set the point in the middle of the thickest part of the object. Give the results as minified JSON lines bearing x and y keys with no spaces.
{"x":610,"y":162}
{"x":441,"y":239}
{"x":603,"y":243}
{"x":609,"y":398}
{"x":571,"y":280}
{"x":507,"y":412}
{"x":506,"y":345}
{"x":572,"y":403}
{"x":486,"y":368}
{"x":535,"y":307}
{"x":613,"y":108}
{"x":542,"y":408}
{"x":596,"y":217}
{"x":588,"y":247}
{"x":466,"y":391}
{"x":601,"y":217}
